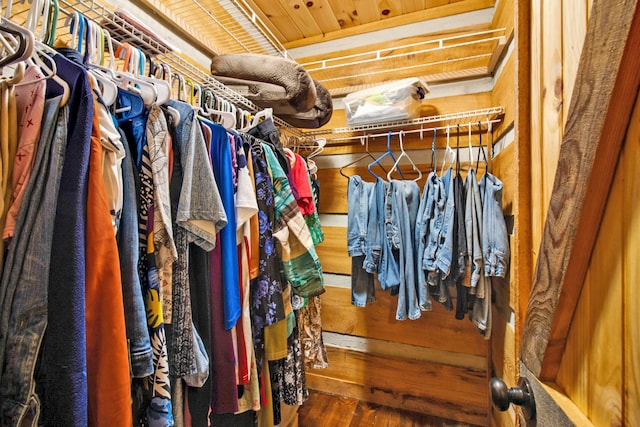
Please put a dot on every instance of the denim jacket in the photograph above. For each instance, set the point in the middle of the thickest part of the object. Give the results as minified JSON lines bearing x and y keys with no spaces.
{"x":495,"y":240}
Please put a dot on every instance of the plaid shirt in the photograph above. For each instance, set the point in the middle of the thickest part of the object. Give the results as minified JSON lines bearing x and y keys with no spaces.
{"x":300,"y":261}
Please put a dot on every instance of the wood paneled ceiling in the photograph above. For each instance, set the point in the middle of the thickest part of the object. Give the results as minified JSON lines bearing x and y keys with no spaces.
{"x":321,"y":35}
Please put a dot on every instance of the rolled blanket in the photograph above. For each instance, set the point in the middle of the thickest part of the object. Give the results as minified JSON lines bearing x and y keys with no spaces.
{"x":299,"y":90}
{"x":264,"y":95}
{"x":318,"y":116}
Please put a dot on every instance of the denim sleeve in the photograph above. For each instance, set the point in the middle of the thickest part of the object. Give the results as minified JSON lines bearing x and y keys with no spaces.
{"x":373,"y":240}
{"x":495,"y":245}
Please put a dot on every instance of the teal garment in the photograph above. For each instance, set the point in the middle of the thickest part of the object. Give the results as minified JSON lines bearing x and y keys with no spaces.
{"x":300,"y":261}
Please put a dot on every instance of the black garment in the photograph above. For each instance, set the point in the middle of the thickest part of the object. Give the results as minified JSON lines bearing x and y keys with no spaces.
{"x":267,"y":132}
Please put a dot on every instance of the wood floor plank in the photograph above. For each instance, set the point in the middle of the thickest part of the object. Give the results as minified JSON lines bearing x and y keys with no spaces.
{"x":326,"y":410}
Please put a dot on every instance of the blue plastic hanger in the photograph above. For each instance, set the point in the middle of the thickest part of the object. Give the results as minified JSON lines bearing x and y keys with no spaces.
{"x":387,"y":154}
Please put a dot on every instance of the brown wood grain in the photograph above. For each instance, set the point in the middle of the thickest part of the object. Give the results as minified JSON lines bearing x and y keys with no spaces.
{"x":332,"y":252}
{"x":630,"y":162}
{"x":357,"y":413}
{"x":521,"y":270}
{"x":429,"y":13}
{"x":323,"y":14}
{"x":606,"y":298}
{"x":608,"y":77}
{"x":440,"y":390}
{"x":504,"y":94}
{"x":437,"y":329}
{"x":504,"y":17}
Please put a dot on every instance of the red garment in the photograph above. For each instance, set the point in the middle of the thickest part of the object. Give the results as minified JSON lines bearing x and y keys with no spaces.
{"x":107,"y":352}
{"x":224,"y":392}
{"x":300,"y":177}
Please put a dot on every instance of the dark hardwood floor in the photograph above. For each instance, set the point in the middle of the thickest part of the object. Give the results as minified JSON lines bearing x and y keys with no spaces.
{"x":325,"y":410}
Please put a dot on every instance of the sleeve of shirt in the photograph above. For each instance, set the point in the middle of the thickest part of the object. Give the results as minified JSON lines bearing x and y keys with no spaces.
{"x":200,"y":209}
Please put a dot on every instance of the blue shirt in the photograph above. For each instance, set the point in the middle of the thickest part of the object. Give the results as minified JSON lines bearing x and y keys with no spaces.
{"x":220,"y":149}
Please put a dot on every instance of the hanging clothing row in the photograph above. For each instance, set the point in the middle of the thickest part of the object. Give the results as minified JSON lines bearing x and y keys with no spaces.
{"x":444,"y":244}
{"x":152,"y":256}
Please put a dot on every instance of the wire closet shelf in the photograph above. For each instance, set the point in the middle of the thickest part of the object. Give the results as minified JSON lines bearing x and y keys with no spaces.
{"x":484,"y":116}
{"x":122,"y":31}
{"x":463,"y":56}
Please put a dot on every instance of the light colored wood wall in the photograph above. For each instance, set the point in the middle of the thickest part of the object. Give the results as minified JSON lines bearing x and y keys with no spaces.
{"x":557,"y":35}
{"x":600,"y":369}
{"x":429,"y":364}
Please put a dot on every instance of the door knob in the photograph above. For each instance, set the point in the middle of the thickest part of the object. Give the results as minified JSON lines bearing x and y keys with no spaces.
{"x":522,"y":395}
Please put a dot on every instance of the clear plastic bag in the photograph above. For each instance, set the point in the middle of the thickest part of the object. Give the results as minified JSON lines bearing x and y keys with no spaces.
{"x":397,"y":100}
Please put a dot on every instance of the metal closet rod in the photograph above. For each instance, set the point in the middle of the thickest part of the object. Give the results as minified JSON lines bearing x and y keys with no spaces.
{"x":452,"y":128}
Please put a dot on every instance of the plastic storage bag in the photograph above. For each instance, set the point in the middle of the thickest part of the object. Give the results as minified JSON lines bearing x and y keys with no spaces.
{"x":397,"y":100}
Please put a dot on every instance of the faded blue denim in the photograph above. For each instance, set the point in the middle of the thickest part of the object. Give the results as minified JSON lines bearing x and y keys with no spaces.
{"x":135,"y":315}
{"x":388,"y":270}
{"x":358,"y":194}
{"x":375,"y":228}
{"x":25,"y":279}
{"x":473,"y":228}
{"x":426,"y":213}
{"x":495,"y":240}
{"x":404,"y":203}
{"x":358,"y":197}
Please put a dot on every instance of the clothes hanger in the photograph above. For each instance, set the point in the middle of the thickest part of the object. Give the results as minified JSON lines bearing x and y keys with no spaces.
{"x":402,"y":155}
{"x":433,"y":166}
{"x":95,"y":46}
{"x":364,"y":141}
{"x":388,"y":153}
{"x":128,"y":80}
{"x":261,"y":115}
{"x":320,"y":144}
{"x":484,"y":155}
{"x":225,"y":118}
{"x":448,"y":150}
{"x":23,"y":43}
{"x":53,"y":23}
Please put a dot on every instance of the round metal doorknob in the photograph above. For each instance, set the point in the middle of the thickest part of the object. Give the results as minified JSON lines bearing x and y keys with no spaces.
{"x":522,"y":395}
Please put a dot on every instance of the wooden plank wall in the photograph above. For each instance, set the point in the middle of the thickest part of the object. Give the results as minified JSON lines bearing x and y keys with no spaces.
{"x":436,"y":364}
{"x":503,"y":361}
{"x":557,"y":35}
{"x":600,"y":370}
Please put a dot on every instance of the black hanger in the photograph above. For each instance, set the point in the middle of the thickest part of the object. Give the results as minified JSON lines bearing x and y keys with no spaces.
{"x":433,"y":152}
{"x":484,"y":155}
{"x":23,"y":44}
{"x":458,"y":150}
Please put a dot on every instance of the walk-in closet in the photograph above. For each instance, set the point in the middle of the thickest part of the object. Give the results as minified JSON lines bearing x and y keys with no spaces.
{"x":319,"y":213}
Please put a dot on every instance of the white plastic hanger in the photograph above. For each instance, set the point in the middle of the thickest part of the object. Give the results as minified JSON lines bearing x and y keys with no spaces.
{"x":448,"y":150}
{"x":319,"y":148}
{"x":108,"y":88}
{"x":404,"y":154}
{"x":226,"y":118}
{"x":128,"y":80}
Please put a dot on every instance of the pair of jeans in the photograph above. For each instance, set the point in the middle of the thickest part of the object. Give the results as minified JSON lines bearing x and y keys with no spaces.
{"x":358,"y":197}
{"x":495,"y":240}
{"x":404,"y":202}
{"x":388,"y":268}
{"x":24,"y":283}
